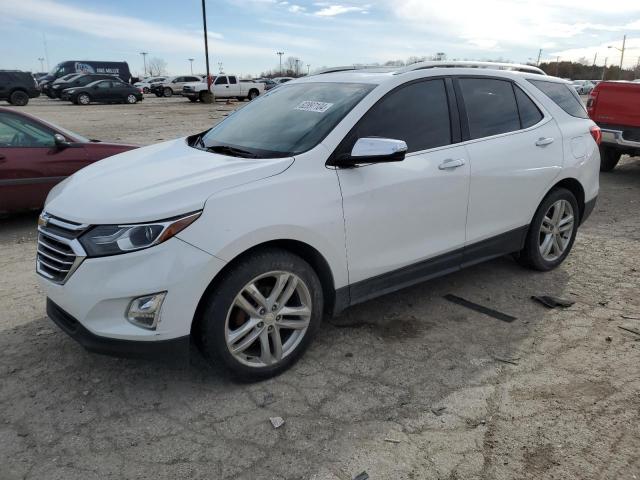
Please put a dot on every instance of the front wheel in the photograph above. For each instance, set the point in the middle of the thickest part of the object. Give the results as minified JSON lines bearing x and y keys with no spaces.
{"x":167,"y":92}
{"x":145,"y":90}
{"x":262,"y":315}
{"x":84,"y":99}
{"x":131,"y":99}
{"x":552,"y":231}
{"x":19,"y":98}
{"x":609,"y":158}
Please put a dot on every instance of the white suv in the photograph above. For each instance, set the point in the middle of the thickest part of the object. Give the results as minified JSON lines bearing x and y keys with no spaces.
{"x":320,"y":194}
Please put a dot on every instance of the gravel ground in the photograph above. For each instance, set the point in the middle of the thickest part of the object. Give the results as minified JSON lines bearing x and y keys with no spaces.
{"x":408,"y":386}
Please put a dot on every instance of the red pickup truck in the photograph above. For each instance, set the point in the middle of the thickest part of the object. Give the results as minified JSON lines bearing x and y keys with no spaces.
{"x":615,"y":107}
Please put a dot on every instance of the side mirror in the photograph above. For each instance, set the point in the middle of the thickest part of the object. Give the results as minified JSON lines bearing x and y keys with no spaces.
{"x":374,"y":150}
{"x":60,"y":141}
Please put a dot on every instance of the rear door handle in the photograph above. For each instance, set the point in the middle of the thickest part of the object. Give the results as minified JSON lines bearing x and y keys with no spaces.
{"x":542,"y":141}
{"x":451,"y":163}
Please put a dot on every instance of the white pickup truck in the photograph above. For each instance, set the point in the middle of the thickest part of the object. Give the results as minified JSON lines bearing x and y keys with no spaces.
{"x":224,"y":86}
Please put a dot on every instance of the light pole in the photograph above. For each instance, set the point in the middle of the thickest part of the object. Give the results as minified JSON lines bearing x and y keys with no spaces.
{"x":557,"y":64}
{"x":538,"y":62}
{"x":280,"y":54}
{"x":191,"y":62}
{"x":604,"y":69}
{"x":207,"y":97}
{"x":621,"y":50}
{"x":220,"y":70}
{"x":309,"y":67}
{"x":41,"y":63}
{"x":144,"y":59}
{"x":297,"y":67}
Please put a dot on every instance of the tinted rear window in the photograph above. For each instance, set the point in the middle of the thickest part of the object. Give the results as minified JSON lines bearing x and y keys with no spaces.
{"x":491,"y":106}
{"x":564,"y":96}
{"x":529,"y":113}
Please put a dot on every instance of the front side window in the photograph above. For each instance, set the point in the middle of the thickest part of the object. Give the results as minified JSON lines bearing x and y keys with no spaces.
{"x":564,"y":96}
{"x":221,"y":81}
{"x":491,"y":106}
{"x":417,"y":113}
{"x":105,"y":84}
{"x":285,"y":121}
{"x":17,"y":131}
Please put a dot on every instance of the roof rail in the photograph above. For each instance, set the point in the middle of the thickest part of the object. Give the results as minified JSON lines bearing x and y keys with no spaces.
{"x":347,"y":68}
{"x":517,"y":67}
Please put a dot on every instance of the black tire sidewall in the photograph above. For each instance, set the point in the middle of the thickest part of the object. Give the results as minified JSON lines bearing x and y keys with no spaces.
{"x":166,"y":91}
{"x":212,"y":324}
{"x":19,"y":98}
{"x":609,"y":158}
{"x":532,"y":251}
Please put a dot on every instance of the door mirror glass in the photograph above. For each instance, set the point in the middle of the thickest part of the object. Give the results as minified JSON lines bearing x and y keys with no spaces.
{"x":377,"y":150}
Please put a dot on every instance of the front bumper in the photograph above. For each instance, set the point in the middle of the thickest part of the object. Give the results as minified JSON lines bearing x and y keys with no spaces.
{"x":99,"y":292}
{"x":174,"y":350}
{"x":189,"y":94}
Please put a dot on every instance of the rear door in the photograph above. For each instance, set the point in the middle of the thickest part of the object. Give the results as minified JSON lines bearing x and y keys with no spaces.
{"x":234,"y":87}
{"x":30,"y":163}
{"x":516,"y":150}
{"x":221,"y":87}
{"x":101,"y":91}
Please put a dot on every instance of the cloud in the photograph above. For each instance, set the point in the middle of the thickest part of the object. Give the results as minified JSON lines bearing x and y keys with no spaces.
{"x":141,"y":33}
{"x":333,"y":10}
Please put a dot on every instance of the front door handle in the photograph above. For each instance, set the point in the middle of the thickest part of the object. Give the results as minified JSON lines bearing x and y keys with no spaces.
{"x":451,"y":163}
{"x":542,"y":141}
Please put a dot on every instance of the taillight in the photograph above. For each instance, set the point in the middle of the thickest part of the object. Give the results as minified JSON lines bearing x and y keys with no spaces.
{"x":591,"y":103}
{"x":596,"y":133}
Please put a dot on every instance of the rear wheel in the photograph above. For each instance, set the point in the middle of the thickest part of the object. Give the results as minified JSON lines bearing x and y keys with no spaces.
{"x":262,"y":315}
{"x":252,"y":94}
{"x":241,"y":99}
{"x":167,"y":92}
{"x":552,"y":231}
{"x":609,"y":158}
{"x":84,"y":99}
{"x":145,"y":90}
{"x":19,"y":98}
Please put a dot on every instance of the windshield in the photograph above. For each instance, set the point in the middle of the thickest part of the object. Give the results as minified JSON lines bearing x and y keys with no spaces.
{"x":285,"y":121}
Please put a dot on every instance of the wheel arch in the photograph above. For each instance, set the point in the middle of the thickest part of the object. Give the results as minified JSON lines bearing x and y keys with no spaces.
{"x":575,"y":187}
{"x":305,"y":251}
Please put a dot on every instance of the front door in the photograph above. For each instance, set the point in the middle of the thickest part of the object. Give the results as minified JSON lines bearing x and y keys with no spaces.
{"x":406,"y":219}
{"x":30,"y":162}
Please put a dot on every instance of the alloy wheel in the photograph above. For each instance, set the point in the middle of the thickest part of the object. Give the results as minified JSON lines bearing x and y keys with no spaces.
{"x":268,"y":319}
{"x":84,"y":99}
{"x":556,"y":230}
{"x":131,"y":98}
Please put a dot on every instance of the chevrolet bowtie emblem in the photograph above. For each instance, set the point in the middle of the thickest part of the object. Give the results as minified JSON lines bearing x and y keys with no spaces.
{"x":43,"y":220}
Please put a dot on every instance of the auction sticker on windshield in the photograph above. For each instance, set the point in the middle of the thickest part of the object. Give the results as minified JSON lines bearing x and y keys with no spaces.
{"x":311,"y":106}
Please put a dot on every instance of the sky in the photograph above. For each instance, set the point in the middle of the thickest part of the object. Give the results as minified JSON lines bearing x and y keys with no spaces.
{"x":244,"y":35}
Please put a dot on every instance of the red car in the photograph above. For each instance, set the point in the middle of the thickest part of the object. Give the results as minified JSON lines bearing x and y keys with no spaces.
{"x":615,"y":107}
{"x":35,"y":155}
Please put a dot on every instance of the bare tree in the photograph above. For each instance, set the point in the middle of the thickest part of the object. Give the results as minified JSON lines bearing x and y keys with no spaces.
{"x":157,"y":66}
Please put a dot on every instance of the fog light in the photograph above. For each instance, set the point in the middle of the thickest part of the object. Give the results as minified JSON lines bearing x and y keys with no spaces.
{"x":145,"y":311}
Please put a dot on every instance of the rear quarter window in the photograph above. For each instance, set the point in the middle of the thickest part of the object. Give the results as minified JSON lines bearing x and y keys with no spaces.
{"x":562,"y":95}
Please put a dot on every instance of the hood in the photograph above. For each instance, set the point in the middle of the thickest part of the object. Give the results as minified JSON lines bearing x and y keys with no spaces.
{"x":153,"y":183}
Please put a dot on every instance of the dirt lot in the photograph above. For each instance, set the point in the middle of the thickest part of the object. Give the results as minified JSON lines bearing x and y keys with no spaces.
{"x":408,"y":386}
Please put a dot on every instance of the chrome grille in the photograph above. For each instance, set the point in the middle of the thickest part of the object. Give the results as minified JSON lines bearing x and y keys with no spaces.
{"x":59,"y":251}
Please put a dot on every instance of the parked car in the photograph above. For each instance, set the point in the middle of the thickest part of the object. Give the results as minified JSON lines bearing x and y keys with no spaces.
{"x":224,"y":86}
{"x":17,"y":87}
{"x":145,"y":84}
{"x":268,"y":83}
{"x":104,"y":91}
{"x":47,"y":87}
{"x":281,"y":80}
{"x":173,"y":85}
{"x":615,"y":107}
{"x":80,"y":80}
{"x":35,"y":155}
{"x":583,"y":87}
{"x":199,"y":237}
{"x":119,"y":69}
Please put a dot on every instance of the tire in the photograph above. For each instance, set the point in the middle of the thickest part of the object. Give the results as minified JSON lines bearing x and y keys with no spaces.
{"x":19,"y":98}
{"x":158,"y":94}
{"x":253,"y":93}
{"x":241,"y":99}
{"x":557,"y":233}
{"x":609,"y":158}
{"x":131,"y":99}
{"x":260,"y":269}
{"x":192,"y":99}
{"x":145,"y":90}
{"x":83,"y":99}
{"x":167,"y":92}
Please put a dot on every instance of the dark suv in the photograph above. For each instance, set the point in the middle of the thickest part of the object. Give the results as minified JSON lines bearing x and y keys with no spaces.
{"x":17,"y":87}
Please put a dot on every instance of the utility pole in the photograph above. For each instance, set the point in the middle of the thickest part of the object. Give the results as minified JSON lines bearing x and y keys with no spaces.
{"x":280,"y":54}
{"x":539,"y":54}
{"x":557,"y":65}
{"x":144,"y":59}
{"x":309,"y":66}
{"x":297,"y":67}
{"x":624,"y":40}
{"x":191,"y":62}
{"x":595,"y":57}
{"x":604,"y":69}
{"x":207,"y":97}
{"x":220,"y":69}
{"x":41,"y":63}
{"x":46,"y":50}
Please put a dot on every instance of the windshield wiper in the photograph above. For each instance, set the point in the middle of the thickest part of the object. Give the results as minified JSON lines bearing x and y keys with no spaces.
{"x":231,"y":151}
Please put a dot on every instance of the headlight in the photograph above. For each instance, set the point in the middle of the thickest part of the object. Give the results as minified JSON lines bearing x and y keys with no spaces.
{"x":103,"y":240}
